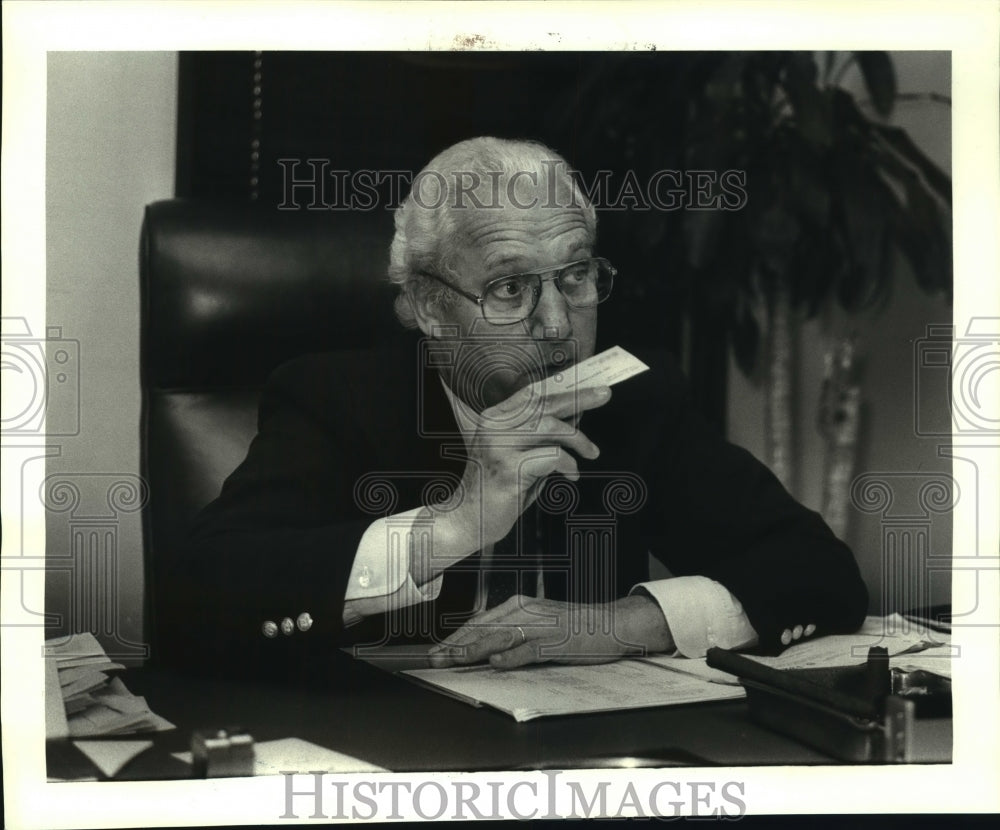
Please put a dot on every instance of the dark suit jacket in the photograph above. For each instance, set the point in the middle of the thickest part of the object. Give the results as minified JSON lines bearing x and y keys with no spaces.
{"x":345,"y":438}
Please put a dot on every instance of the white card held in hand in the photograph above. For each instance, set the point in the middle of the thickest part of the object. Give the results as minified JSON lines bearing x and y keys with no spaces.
{"x":605,"y":369}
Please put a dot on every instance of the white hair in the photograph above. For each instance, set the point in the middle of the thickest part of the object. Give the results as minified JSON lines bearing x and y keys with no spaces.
{"x":428,"y":230}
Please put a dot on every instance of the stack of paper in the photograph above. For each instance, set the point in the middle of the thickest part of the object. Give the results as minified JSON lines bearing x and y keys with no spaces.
{"x":95,"y":703}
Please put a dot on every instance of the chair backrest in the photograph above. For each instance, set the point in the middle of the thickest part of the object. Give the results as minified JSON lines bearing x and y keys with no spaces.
{"x":229,"y":293}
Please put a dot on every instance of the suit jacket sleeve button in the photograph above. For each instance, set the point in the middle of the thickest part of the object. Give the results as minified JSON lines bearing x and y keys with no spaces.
{"x":287,"y":627}
{"x":269,"y":628}
{"x":304,"y":621}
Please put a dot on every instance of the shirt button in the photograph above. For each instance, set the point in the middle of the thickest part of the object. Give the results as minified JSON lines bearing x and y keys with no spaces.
{"x":304,"y":621}
{"x":287,"y":627}
{"x":269,"y":628}
{"x":365,"y":578}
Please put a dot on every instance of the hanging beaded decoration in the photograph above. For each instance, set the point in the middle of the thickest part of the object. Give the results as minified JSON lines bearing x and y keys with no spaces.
{"x":255,"y":126}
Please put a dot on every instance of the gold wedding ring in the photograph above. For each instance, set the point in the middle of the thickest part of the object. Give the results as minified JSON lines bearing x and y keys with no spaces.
{"x":524,"y":637}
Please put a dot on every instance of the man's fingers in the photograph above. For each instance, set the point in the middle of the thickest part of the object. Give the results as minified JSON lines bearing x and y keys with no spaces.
{"x":476,"y":626}
{"x":566,"y":465}
{"x":572,"y":439}
{"x":513,"y":658}
{"x":563,"y":405}
{"x":493,"y":641}
{"x":550,"y":432}
{"x":532,"y":403}
{"x":481,"y":624}
{"x":536,"y":467}
{"x":498,"y":612}
{"x":466,"y":633}
{"x":545,"y":431}
{"x":472,"y":630}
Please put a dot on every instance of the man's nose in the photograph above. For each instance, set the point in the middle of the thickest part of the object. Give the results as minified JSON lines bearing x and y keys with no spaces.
{"x":550,"y":319}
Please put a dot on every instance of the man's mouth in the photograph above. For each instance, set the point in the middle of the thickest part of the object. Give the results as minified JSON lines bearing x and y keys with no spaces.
{"x":554,"y":367}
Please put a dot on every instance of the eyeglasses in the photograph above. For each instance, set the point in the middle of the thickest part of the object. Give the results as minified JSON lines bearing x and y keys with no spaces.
{"x":508,"y":300}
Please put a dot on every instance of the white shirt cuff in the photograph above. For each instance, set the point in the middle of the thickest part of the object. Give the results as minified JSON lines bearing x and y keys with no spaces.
{"x":701,"y":613}
{"x":380,"y":578}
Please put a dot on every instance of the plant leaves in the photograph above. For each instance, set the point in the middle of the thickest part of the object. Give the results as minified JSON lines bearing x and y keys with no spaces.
{"x":933,"y":268}
{"x":814,"y":269}
{"x":864,"y":210}
{"x":852,"y":286}
{"x":846,"y":113}
{"x":811,"y":106}
{"x":777,"y":234}
{"x":901,"y":142}
{"x":921,"y":223}
{"x":808,"y":188}
{"x":880,"y":79}
{"x":829,"y":58}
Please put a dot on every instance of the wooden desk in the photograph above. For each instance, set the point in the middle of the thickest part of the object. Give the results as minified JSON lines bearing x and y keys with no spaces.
{"x":374,"y":715}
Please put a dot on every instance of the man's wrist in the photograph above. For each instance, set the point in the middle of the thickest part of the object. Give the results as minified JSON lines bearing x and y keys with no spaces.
{"x":639,"y":621}
{"x":453,"y":538}
{"x":459,"y":537}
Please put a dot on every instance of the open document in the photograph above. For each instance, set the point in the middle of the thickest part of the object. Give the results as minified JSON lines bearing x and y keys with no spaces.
{"x":662,"y":680}
{"x":546,"y":690}
{"x":909,"y":644}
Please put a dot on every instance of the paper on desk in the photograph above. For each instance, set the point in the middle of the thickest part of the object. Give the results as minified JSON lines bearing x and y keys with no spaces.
{"x":82,"y":701}
{"x":74,"y":646}
{"x":934,"y":660}
{"x":101,"y":720}
{"x":70,"y":674}
{"x":110,"y":756}
{"x":295,"y":754}
{"x":85,"y":683}
{"x":56,"y":724}
{"x":93,"y":661}
{"x":695,"y":666}
{"x":79,"y":703}
{"x":541,"y":691}
{"x":893,"y":633}
{"x":271,"y":757}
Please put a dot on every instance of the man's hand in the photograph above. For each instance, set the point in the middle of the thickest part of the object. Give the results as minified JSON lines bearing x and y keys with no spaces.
{"x":518,"y":443}
{"x":524,"y":630}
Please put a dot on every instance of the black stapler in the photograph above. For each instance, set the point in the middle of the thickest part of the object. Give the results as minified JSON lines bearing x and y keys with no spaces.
{"x":862,"y":714}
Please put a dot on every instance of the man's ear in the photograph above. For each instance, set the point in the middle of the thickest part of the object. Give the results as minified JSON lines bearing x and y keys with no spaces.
{"x":427,"y":312}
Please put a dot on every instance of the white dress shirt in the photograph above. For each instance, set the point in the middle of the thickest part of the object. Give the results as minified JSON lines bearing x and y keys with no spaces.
{"x":700,"y":612}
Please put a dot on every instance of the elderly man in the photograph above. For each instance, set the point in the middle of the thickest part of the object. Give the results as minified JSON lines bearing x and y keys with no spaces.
{"x":467,"y":496}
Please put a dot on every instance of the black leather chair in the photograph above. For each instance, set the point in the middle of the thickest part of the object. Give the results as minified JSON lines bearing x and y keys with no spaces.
{"x":228,"y":293}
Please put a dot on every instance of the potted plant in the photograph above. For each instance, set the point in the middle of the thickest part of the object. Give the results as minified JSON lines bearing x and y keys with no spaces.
{"x":832,"y":192}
